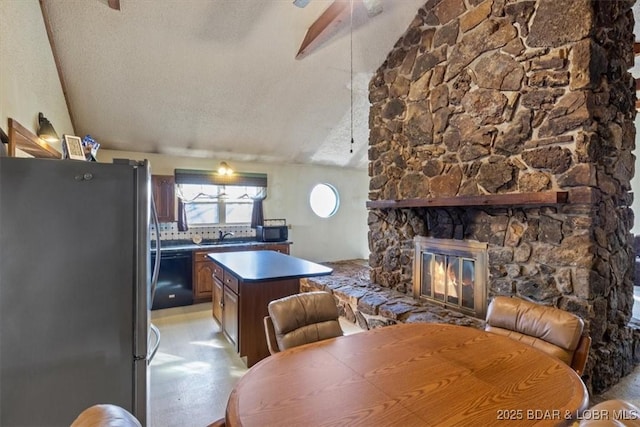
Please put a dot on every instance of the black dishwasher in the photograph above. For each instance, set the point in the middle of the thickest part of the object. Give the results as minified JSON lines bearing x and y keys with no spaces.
{"x":175,"y":286}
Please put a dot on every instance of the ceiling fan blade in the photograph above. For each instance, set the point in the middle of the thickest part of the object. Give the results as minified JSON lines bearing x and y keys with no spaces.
{"x":114,"y":4}
{"x":322,"y":27}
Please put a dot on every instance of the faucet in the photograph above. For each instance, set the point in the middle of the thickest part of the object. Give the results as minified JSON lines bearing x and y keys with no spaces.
{"x":222,"y":235}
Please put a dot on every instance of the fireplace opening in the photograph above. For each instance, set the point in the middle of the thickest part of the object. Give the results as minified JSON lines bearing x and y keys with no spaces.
{"x":451,"y":273}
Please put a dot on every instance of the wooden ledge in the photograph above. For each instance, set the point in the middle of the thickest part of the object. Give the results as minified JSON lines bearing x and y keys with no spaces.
{"x":25,"y":140}
{"x":543,"y":198}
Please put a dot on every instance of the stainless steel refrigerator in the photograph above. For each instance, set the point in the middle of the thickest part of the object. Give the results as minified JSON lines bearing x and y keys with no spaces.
{"x":75,"y":289}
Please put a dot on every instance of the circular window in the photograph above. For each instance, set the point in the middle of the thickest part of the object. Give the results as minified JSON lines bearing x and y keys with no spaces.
{"x":324,"y":200}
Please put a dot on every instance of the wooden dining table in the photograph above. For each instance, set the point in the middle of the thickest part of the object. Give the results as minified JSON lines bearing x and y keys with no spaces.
{"x":420,"y":374}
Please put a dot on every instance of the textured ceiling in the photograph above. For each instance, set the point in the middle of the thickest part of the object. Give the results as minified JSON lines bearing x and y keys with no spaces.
{"x":219,"y":78}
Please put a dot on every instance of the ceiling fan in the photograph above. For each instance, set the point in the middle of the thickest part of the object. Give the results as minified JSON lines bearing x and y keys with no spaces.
{"x":323,"y":27}
{"x":374,"y":7}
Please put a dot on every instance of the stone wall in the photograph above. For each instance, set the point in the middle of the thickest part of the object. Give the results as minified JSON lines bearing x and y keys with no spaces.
{"x":501,"y":96}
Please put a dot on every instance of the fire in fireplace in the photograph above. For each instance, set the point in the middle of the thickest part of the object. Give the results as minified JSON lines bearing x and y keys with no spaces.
{"x":452,"y":273}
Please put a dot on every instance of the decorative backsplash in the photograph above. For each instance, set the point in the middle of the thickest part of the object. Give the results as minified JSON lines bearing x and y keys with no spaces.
{"x":169,"y":231}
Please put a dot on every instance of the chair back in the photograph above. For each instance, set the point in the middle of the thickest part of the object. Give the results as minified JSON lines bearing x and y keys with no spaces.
{"x":105,"y":415}
{"x":220,"y":422}
{"x":612,"y":413}
{"x":303,"y":318}
{"x":554,"y":331}
{"x":272,"y":343}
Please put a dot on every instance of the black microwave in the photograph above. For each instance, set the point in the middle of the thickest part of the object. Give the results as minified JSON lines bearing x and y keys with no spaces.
{"x":272,"y":233}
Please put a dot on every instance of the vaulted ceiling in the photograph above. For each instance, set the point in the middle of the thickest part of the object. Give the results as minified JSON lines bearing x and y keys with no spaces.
{"x":220,"y":78}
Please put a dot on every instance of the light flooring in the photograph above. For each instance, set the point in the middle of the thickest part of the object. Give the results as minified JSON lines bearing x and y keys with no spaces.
{"x":195,"y":369}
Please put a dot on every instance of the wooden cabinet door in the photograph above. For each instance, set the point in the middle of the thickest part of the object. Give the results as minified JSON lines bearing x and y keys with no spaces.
{"x":216,"y":300}
{"x":283,"y":249}
{"x":278,"y":247}
{"x":230,"y":316}
{"x":203,"y":283}
{"x":163,"y":187}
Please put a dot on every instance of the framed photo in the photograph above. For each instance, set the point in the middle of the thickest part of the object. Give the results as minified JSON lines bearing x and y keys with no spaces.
{"x":72,"y":147}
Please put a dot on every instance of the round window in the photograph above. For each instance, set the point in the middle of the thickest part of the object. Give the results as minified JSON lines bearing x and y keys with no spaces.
{"x":324,"y":200}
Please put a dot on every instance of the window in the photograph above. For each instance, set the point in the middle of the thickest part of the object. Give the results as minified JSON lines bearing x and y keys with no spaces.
{"x":218,"y":204}
{"x":210,"y":199}
{"x":324,"y":200}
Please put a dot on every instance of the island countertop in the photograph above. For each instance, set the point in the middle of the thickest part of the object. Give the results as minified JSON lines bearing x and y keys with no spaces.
{"x":258,"y":266}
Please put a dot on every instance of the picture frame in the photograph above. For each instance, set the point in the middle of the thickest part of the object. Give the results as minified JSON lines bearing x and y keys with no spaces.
{"x":72,"y":147}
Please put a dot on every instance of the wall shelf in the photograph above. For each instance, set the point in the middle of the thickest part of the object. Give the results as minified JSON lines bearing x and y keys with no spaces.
{"x":542,"y":198}
{"x":25,"y":140}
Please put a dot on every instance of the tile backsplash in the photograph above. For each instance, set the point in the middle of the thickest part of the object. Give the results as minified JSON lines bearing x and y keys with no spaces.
{"x":169,"y":231}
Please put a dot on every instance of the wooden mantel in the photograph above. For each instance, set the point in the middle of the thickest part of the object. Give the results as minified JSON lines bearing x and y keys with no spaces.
{"x":541,"y":198}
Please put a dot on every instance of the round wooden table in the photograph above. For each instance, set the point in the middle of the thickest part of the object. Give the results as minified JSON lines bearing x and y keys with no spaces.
{"x":417,"y":374}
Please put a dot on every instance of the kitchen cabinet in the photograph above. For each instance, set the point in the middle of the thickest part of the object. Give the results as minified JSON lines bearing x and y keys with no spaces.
{"x":225,"y":302}
{"x":249,"y":281}
{"x":282,"y":248}
{"x":202,"y":278}
{"x":218,"y":289}
{"x":204,"y":285}
{"x":164,"y":195}
{"x":230,"y":310}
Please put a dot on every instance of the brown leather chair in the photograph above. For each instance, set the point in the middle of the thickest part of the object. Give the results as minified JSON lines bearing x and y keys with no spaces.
{"x":301,"y":319}
{"x":105,"y":416}
{"x":611,"y":413}
{"x":272,"y":343}
{"x":221,"y":422}
{"x":554,"y":331}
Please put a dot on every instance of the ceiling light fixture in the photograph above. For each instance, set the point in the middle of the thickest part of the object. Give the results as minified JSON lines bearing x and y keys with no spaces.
{"x":351,"y":67}
{"x":224,"y":169}
{"x":46,"y":130}
{"x":301,"y":3}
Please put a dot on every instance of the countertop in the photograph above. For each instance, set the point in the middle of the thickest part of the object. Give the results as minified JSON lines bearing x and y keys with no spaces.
{"x":259,"y":266}
{"x":188,"y":245}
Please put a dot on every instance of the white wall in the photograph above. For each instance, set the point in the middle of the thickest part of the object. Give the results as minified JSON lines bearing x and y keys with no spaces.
{"x":635,"y":183}
{"x":29,"y":84}
{"x":343,"y":236}
{"x":29,"y":81}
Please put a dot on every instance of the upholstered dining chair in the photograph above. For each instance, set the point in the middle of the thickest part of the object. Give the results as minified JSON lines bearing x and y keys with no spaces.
{"x":554,"y":331}
{"x":301,"y":319}
{"x":105,"y":415}
{"x":612,"y":413}
{"x":220,"y":422}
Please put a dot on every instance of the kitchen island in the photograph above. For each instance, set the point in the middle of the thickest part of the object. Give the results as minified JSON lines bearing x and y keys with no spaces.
{"x":186,"y":274}
{"x":244,"y":284}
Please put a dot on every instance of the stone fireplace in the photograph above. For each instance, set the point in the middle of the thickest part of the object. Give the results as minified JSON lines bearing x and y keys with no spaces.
{"x":451,"y":273}
{"x":511,"y":123}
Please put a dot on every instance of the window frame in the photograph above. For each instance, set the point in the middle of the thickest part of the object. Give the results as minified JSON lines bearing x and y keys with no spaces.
{"x":336,"y":195}
{"x":251,"y":183}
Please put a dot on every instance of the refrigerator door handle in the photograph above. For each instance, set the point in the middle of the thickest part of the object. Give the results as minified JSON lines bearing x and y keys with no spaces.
{"x":154,"y":349}
{"x":156,"y":267}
